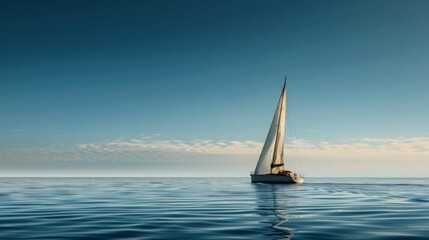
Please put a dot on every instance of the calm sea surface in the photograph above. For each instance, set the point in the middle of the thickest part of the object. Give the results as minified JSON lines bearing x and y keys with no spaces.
{"x":213,"y":208}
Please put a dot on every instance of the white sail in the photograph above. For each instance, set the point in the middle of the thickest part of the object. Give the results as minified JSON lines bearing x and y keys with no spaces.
{"x":271,"y":158}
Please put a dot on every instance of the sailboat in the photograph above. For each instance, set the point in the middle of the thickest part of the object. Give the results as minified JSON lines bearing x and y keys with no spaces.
{"x":270,"y":167}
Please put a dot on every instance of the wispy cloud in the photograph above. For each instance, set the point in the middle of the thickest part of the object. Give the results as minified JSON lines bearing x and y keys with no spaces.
{"x":153,"y":151}
{"x":137,"y":149}
{"x":413,"y":147}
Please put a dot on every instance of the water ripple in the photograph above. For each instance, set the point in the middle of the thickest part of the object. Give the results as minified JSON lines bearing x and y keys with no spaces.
{"x":212,"y":208}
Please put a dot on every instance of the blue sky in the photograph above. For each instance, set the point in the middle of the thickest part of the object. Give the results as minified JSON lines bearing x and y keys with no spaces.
{"x":78,"y":72}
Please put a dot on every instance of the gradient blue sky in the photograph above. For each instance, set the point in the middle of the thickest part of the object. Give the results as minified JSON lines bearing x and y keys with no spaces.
{"x":98,"y":72}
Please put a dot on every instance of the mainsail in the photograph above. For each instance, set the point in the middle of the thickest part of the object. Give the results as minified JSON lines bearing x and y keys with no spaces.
{"x":271,"y":158}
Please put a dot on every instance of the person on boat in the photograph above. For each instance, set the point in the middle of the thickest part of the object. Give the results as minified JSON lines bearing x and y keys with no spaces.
{"x":284,"y":173}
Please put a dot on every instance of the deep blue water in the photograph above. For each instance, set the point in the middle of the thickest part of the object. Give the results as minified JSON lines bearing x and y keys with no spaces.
{"x":213,"y":208}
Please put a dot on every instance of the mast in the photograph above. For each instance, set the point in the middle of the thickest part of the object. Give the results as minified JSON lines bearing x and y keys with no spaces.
{"x":277,"y":148}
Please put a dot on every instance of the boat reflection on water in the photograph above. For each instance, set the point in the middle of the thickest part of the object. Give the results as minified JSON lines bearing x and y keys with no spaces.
{"x":272,"y":205}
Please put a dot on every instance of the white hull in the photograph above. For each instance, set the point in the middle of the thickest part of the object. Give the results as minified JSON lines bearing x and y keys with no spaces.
{"x":274,"y":178}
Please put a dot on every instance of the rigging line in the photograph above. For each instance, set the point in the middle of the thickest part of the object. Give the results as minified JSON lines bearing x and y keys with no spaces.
{"x":295,"y":150}
{"x":292,"y":127}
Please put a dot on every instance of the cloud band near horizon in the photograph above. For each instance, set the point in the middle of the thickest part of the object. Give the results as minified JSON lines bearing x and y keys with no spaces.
{"x":145,"y":155}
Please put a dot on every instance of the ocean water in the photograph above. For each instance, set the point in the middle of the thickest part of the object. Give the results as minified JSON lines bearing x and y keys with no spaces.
{"x":213,"y":208}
